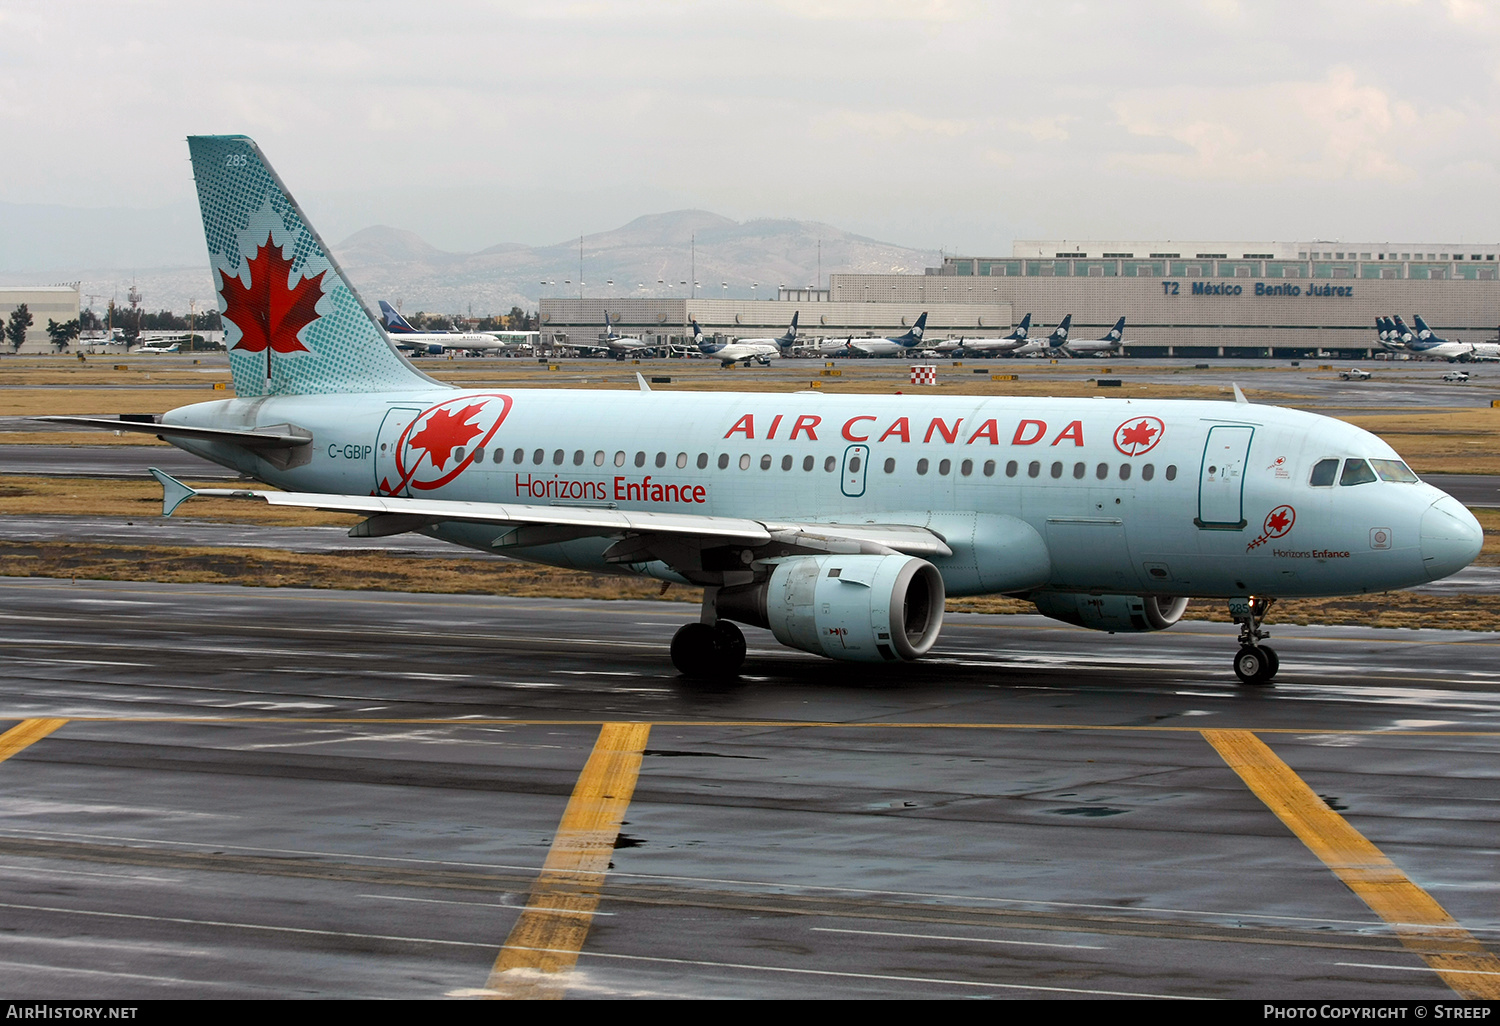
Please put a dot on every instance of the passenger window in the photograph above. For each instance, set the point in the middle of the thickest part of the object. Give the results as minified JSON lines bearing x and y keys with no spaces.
{"x":538,"y":456}
{"x":458,"y":454}
{"x":808,"y":463}
{"x":1394,"y":470}
{"x":966,"y":467}
{"x":640,"y":459}
{"x":890,"y":466}
{"x":557,"y":457}
{"x":620,"y":458}
{"x":599,"y":458}
{"x":1356,"y":472}
{"x":1171,"y":472}
{"x":944,"y":466}
{"x":1034,"y":468}
{"x":1101,"y":471}
{"x":1124,"y":471}
{"x":499,"y":456}
{"x":578,"y":457}
{"x":1148,"y":471}
{"x":1323,"y":473}
{"x":854,"y":464}
{"x":989,"y":468}
{"x":786,"y":462}
{"x":702,"y":461}
{"x":1056,"y":470}
{"x":829,"y":464}
{"x":745,"y":461}
{"x":520,"y":456}
{"x":681,"y":460}
{"x":922,"y":465}
{"x":661,"y":459}
{"x":765,"y":462}
{"x":479,"y":454}
{"x":1010,"y":468}
{"x":723,"y":461}
{"x":1078,"y":471}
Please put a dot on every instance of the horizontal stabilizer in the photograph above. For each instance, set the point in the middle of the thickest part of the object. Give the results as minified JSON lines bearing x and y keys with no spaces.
{"x":173,"y":492}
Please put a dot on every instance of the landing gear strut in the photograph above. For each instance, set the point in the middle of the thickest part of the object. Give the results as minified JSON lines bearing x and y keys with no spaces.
{"x":1254,"y":663}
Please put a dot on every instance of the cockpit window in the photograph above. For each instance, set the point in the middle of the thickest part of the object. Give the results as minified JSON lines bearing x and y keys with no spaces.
{"x":1323,"y":473}
{"x":1394,"y":470}
{"x":1356,"y":472}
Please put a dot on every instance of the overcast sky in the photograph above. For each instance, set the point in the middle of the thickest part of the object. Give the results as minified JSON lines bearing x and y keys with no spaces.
{"x":943,"y":123}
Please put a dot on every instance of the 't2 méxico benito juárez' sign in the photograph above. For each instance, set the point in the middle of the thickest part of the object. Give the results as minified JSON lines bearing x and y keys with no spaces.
{"x":1204,"y":288}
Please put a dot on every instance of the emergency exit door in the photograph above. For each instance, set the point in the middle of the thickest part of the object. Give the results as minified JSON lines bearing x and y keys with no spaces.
{"x":856,"y":460}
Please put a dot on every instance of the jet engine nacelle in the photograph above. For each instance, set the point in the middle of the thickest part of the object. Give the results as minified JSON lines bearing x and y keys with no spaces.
{"x":435,"y":349}
{"x":860,"y":608}
{"x":1113,"y":613}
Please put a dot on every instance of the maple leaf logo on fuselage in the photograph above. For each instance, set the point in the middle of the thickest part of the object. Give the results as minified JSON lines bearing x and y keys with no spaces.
{"x":1138,"y":436}
{"x":445,"y":432}
{"x":268,"y":311}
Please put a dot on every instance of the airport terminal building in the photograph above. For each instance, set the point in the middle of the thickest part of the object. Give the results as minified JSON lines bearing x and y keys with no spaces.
{"x":44,"y":302}
{"x":1217,"y":298}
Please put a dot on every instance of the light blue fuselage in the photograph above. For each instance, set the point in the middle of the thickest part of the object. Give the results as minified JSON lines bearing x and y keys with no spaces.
{"x":1088,"y":517}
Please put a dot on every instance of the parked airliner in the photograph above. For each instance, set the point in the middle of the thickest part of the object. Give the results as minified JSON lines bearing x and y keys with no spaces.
{"x":1015,"y":340}
{"x":907,"y":344}
{"x":1052,"y":344}
{"x":613,"y":344}
{"x":1112,"y":342}
{"x":841,"y":522}
{"x":433,"y":343}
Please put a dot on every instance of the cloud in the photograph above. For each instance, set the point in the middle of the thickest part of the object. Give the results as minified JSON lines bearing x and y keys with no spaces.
{"x":1043,"y":129}
{"x":1336,"y":128}
{"x":894,"y":124}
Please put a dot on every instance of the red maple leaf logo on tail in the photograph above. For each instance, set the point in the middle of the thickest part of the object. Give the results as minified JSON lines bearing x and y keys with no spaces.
{"x":444,"y":432}
{"x":269,"y":312}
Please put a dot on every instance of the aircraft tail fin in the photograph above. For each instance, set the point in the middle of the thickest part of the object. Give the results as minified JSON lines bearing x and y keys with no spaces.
{"x":698,"y":338}
{"x":393,"y":322}
{"x":293,"y":323}
{"x":913,"y":337}
{"x":791,"y":333}
{"x":1117,"y":332}
{"x":1023,"y":329}
{"x":1060,"y":333}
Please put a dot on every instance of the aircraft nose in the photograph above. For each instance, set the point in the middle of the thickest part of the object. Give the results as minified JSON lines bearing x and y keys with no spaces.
{"x":1451,"y":537}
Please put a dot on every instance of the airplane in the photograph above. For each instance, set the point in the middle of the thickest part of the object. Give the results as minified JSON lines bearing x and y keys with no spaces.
{"x":433,"y":343}
{"x":908,"y":344}
{"x":728,"y":353}
{"x":1111,"y":342}
{"x":1487,"y":350}
{"x":1053,"y":343}
{"x":1387,"y":335}
{"x":1427,"y":343}
{"x":785,"y":343}
{"x":1013,"y":341}
{"x":840,"y":522}
{"x":613,"y":344}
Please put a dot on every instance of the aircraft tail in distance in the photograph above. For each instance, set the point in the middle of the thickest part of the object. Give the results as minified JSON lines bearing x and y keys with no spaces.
{"x":293,"y":324}
{"x":394,"y":323}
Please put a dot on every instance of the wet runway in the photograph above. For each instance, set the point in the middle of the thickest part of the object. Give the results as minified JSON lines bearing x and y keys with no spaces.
{"x":217,"y":791}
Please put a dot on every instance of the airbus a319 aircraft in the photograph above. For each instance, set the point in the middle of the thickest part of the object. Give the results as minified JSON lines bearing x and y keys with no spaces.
{"x":840,"y":522}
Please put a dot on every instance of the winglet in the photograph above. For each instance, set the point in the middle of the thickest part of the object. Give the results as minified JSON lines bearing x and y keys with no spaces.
{"x":640,"y":380}
{"x":173,"y":492}
{"x":1239,"y":396}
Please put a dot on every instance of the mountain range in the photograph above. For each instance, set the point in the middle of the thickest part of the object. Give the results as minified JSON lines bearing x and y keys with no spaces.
{"x":652,"y":256}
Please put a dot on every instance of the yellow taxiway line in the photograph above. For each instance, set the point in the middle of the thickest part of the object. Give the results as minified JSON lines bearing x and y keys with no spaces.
{"x":24,"y":734}
{"x":1423,"y":925}
{"x":545,"y":942}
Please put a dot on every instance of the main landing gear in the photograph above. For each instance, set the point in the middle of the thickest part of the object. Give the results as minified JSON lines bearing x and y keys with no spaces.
{"x":707,"y":651}
{"x":1254,"y":663}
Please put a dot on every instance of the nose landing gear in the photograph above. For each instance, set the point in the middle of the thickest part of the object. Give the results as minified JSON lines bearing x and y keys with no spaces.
{"x":1254,"y":663}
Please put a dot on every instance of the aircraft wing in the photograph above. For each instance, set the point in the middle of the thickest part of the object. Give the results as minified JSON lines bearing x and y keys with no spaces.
{"x":265,"y":438}
{"x":638,"y":531}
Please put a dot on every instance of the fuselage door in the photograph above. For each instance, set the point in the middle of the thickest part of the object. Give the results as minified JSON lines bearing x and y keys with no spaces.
{"x":1221,"y":478}
{"x":856,"y":459}
{"x":391,"y":468}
